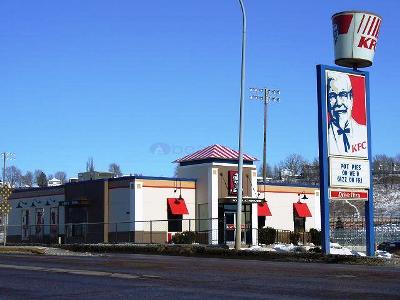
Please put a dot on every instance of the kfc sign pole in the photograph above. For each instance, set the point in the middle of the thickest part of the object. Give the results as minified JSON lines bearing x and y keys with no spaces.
{"x":344,"y":119}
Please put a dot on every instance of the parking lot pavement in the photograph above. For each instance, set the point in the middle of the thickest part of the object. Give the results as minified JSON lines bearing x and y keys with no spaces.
{"x":122,"y":276}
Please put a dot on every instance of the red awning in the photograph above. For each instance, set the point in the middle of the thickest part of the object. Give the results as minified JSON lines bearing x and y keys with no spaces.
{"x":301,"y":210}
{"x":177,"y":206}
{"x":263,"y":209}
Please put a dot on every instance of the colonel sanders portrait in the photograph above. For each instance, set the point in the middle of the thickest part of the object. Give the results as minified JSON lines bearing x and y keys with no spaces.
{"x":233,"y":178}
{"x":346,"y":135}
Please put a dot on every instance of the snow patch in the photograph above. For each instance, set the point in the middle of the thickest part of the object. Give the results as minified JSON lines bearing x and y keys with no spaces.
{"x":383,"y":254}
{"x":335,"y":249}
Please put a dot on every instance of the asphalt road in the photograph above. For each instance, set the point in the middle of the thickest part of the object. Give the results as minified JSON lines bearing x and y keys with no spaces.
{"x":167,"y":277}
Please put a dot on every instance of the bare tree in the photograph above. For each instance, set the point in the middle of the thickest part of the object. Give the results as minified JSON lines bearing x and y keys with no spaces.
{"x":27,"y":179}
{"x":397,"y":159}
{"x":293,"y":165}
{"x":13,"y":176}
{"x":270,"y":172}
{"x":386,"y":169}
{"x":383,"y":164}
{"x":115,"y":169}
{"x":90,"y":165}
{"x":310,"y":172}
{"x":61,"y":175}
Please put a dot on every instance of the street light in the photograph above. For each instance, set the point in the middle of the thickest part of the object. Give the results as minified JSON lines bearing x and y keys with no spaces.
{"x":267,"y":96}
{"x":238,"y":235}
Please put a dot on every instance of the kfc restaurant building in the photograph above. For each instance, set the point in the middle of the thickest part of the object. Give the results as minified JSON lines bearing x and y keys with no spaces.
{"x":146,"y":209}
{"x":279,"y":206}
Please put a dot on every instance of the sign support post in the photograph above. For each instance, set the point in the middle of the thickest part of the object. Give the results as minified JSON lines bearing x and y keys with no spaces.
{"x":369,"y":205}
{"x":323,"y":161}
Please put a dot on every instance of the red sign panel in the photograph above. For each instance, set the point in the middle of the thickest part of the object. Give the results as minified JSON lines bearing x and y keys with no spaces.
{"x":348,"y":195}
{"x":233,"y":179}
{"x":233,"y":226}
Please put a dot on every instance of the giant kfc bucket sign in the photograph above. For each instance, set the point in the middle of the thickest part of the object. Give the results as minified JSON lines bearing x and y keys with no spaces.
{"x":344,"y":126}
{"x":355,"y":36}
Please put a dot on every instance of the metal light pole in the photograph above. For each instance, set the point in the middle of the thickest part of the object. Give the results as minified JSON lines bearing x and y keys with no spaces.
{"x":238,"y":237}
{"x":6,"y":155}
{"x":268,"y":96}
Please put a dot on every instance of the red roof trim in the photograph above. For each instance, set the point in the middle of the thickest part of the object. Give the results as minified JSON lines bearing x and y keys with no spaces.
{"x":301,"y":210}
{"x":177,"y":206}
{"x":215,"y":151}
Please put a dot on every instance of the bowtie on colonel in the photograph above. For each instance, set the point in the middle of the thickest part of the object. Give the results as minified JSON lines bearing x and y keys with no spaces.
{"x":346,"y":142}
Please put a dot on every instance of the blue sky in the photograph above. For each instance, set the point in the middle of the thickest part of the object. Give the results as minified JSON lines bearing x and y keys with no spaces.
{"x":114,"y":79}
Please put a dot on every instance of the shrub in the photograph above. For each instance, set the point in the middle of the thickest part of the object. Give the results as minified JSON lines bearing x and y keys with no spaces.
{"x":294,"y":238}
{"x":315,"y":236}
{"x":267,"y":235}
{"x":186,"y":237}
{"x":315,"y":250}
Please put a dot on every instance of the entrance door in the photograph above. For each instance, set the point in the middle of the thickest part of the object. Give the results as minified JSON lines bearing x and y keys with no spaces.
{"x":230,"y":226}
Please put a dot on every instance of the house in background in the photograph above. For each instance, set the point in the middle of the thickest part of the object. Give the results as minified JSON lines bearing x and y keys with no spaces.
{"x":54,"y":182}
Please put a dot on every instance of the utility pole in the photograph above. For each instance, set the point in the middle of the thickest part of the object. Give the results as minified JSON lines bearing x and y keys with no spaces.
{"x":267,"y":96}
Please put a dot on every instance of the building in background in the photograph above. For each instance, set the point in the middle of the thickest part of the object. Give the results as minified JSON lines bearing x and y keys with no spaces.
{"x":94,"y":175}
{"x":54,"y":182}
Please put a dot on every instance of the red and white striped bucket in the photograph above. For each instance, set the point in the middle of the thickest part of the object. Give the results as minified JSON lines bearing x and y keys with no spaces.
{"x":355,"y":37}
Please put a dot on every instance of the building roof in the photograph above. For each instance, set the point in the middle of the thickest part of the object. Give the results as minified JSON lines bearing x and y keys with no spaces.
{"x":215,"y":152}
{"x":54,"y":180}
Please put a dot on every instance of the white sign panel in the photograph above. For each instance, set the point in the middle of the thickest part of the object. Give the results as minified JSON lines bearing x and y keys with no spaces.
{"x":346,"y":115}
{"x":349,"y":173}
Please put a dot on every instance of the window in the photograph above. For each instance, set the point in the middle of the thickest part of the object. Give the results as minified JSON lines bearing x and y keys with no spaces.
{"x":53,"y":221}
{"x":299,"y":223}
{"x":300,"y":213}
{"x":261,"y":222}
{"x":39,"y":221}
{"x":174,"y":222}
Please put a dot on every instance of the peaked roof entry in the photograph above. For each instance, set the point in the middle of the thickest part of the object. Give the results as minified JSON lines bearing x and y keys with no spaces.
{"x":215,"y":152}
